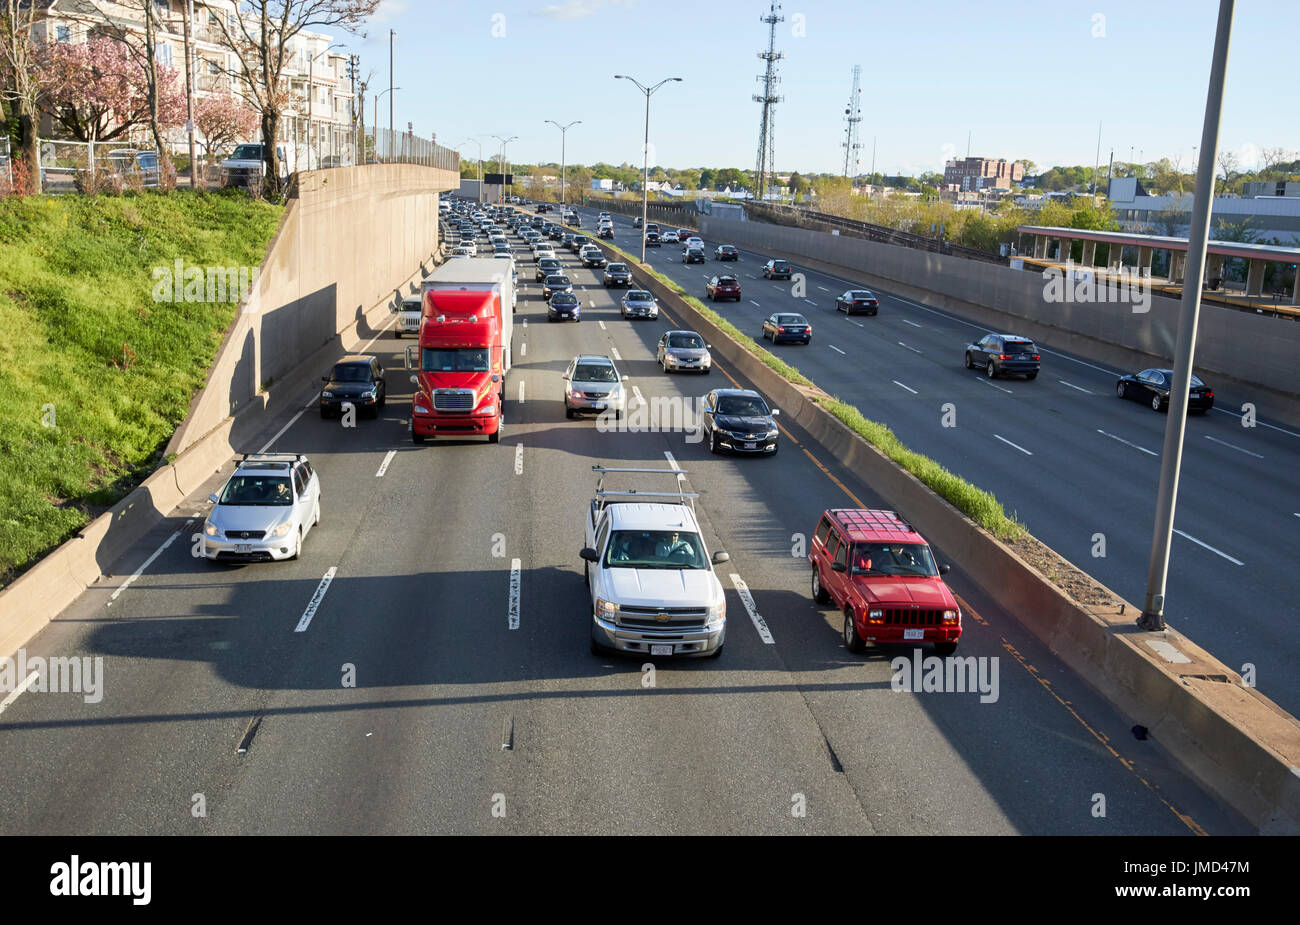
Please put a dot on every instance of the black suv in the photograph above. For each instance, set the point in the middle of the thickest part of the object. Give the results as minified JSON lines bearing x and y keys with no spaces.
{"x":617,"y":274}
{"x":777,"y":269}
{"x":652,"y":239}
{"x":739,"y":420}
{"x":357,"y":381}
{"x":1003,"y":355}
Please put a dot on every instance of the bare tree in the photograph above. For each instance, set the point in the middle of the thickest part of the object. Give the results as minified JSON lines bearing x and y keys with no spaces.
{"x":1228,"y":164}
{"x":19,"y":80}
{"x":260,"y":42}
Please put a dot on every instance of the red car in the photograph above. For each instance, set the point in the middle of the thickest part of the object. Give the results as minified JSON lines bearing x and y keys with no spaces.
{"x":876,"y":569}
{"x":723,"y":287}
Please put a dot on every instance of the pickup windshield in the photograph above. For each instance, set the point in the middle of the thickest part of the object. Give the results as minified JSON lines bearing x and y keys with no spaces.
{"x":892,"y":559}
{"x":257,"y":490}
{"x":247,"y":153}
{"x":454,"y":360}
{"x":655,"y":549}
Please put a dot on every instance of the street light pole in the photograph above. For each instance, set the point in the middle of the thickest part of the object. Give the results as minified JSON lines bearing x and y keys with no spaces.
{"x":504,"y":142}
{"x":311,"y":93}
{"x":391,"y":34}
{"x":645,"y":151}
{"x":480,"y":165}
{"x":1153,"y":607}
{"x":564,"y":131}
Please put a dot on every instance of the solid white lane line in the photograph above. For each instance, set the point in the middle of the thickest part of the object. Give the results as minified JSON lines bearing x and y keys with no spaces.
{"x":752,"y":302}
{"x":905,"y":347}
{"x":602,"y":325}
{"x":912,"y":323}
{"x":383,"y":466}
{"x":280,"y":433}
{"x":519,"y":459}
{"x":523,"y":349}
{"x":1099,"y":369}
{"x":1217,"y":552}
{"x":512,"y":612}
{"x":521,"y":391}
{"x":998,"y":387}
{"x":1009,"y":443}
{"x":18,"y":691}
{"x":748,"y":600}
{"x":614,"y":351}
{"x":1077,"y":388}
{"x":837,"y":350}
{"x":901,"y":386}
{"x":1126,"y":443}
{"x":316,"y":598}
{"x":1232,"y":447}
{"x":672,"y":461}
{"x":148,"y":562}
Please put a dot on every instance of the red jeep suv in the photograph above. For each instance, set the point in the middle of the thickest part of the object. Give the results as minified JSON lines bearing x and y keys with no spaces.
{"x":880,"y":572}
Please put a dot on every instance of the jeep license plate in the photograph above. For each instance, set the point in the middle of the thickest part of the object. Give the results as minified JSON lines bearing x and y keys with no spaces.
{"x":661,"y":650}
{"x":913,"y":634}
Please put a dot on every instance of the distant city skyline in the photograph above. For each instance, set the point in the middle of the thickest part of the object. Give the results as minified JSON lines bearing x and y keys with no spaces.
{"x":1024,"y":81}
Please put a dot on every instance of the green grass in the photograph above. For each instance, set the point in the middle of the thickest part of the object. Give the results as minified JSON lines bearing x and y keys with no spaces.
{"x":84,"y":347}
{"x":976,"y":503}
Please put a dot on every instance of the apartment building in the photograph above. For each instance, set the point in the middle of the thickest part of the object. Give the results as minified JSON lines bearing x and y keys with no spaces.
{"x":976,"y":173}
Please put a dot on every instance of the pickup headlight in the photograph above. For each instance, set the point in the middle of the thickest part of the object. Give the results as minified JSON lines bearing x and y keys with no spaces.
{"x":282,"y":530}
{"x":574,"y":393}
{"x":951,"y":616}
{"x":210,"y":528}
{"x":606,"y":610}
{"x":717,"y":614}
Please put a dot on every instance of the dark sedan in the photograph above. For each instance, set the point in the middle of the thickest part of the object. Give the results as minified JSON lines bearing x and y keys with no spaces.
{"x":563,"y":307}
{"x":726,"y":252}
{"x":592,"y":258}
{"x":1003,"y":355}
{"x":739,"y":420}
{"x":1152,"y":387}
{"x":652,"y":239}
{"x":783,"y":326}
{"x":858,"y":301}
{"x":617,"y":274}
{"x":553,"y":284}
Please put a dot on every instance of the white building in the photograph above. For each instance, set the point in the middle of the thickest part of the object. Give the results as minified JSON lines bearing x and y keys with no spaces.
{"x":1268,"y":217}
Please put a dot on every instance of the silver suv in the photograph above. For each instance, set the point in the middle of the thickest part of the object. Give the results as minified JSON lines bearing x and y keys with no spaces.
{"x":593,"y":383}
{"x":264,"y":510}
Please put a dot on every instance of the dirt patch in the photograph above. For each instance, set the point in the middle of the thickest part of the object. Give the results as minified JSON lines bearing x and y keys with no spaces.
{"x":1075,"y":582}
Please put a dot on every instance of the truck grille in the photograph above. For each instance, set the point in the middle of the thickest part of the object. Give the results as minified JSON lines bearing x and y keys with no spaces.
{"x":678,"y":617}
{"x":908,"y":616}
{"x":453,"y":400}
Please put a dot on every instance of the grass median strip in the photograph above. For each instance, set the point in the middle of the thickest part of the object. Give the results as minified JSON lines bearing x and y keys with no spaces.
{"x":976,"y":503}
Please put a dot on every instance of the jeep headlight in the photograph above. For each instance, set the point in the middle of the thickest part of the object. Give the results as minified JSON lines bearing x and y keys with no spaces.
{"x":875,"y":615}
{"x":950,"y":616}
{"x":606,"y":610}
{"x":282,"y":530}
{"x":210,"y":528}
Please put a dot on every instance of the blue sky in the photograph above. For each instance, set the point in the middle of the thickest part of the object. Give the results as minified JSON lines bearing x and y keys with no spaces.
{"x":1026,"y":79}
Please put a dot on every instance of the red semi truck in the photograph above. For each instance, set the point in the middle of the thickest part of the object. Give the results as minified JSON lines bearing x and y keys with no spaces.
{"x":461,"y":365}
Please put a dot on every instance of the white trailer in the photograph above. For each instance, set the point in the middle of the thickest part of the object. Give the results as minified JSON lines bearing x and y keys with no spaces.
{"x":480,"y":273}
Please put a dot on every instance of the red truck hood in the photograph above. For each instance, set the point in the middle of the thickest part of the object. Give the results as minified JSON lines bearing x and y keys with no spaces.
{"x":927,"y":592}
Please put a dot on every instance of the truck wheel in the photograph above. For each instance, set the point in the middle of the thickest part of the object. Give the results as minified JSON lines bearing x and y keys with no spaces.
{"x":597,"y":648}
{"x":944,"y":649}
{"x":416,"y":438}
{"x":716,"y":652}
{"x":819,"y":594}
{"x":852,"y":641}
{"x":495,"y":436}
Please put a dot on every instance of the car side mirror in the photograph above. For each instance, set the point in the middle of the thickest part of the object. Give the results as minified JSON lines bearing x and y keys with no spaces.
{"x":589,"y":554}
{"x":945,"y":569}
{"x":625,"y":377}
{"x":776,"y":413}
{"x":720,"y":557}
{"x":496,"y":378}
{"x":212,"y":498}
{"x":415,"y":380}
{"x":838,"y":567}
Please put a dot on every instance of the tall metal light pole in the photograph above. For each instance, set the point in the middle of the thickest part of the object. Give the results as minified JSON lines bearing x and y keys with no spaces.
{"x":645,"y":165}
{"x":564,"y":131}
{"x":480,"y":165}
{"x":311,"y":92}
{"x":504,"y":142}
{"x":391,"y":34}
{"x":1153,"y":607}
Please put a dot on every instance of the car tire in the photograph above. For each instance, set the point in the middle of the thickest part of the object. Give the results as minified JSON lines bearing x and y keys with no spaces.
{"x":597,"y":648}
{"x":297,"y":546}
{"x":715,"y":653}
{"x":819,"y":594}
{"x":1157,"y":404}
{"x":568,"y":413}
{"x":945,"y":649}
{"x":416,"y":438}
{"x":1031,"y":376}
{"x":316,"y":517}
{"x":708,"y":370}
{"x":1120,"y":389}
{"x":969,"y":364}
{"x":397,"y":334}
{"x":852,"y":641}
{"x":991,"y":371}
{"x":586,"y":573}
{"x":495,"y":436}
{"x":713,"y":442}
{"x":324,"y":415}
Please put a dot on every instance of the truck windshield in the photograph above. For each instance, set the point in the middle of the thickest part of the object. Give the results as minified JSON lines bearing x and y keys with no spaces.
{"x":257,"y":490}
{"x":892,"y":559}
{"x":247,"y":153}
{"x":454,"y":360}
{"x":655,"y":549}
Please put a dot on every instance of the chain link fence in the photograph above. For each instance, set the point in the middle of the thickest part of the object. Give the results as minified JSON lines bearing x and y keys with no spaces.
{"x":6,"y":168}
{"x":385,"y":147}
{"x":61,"y":161}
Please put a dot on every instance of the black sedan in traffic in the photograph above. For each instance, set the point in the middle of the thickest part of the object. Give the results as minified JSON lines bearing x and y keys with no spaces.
{"x":739,"y":420}
{"x":1152,"y":387}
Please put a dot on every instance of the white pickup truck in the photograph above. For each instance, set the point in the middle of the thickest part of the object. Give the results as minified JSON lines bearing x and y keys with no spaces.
{"x":653,"y":590}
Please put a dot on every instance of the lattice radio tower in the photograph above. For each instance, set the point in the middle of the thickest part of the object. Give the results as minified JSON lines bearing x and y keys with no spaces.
{"x":766,"y":142}
{"x":852,"y":116}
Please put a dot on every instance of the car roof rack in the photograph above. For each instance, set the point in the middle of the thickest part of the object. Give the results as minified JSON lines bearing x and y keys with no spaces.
{"x":873,"y":519}
{"x":272,"y":457}
{"x":678,"y":497}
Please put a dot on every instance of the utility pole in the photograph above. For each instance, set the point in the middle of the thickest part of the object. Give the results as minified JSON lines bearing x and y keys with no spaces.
{"x":391,"y":34}
{"x":189,"y":93}
{"x":1096,"y":164}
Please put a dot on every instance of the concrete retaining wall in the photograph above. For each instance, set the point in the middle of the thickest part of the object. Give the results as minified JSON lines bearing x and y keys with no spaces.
{"x":1252,"y":349}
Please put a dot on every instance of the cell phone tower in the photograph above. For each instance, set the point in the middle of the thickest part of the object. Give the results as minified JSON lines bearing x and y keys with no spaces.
{"x":766,"y":142}
{"x":852,"y":116}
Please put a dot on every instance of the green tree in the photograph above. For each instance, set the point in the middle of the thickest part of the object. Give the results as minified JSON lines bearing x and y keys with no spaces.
{"x":708,"y":178}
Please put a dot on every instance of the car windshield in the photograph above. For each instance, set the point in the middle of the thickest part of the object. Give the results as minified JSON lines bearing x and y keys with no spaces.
{"x":454,"y":360}
{"x":743,"y":406}
{"x":247,"y":153}
{"x":655,"y":549}
{"x":256,"y":490}
{"x":410,"y":305}
{"x":639,"y":295}
{"x":351,"y":372}
{"x":617,"y":267}
{"x":594,"y":372}
{"x":892,"y":559}
{"x":686,"y":341}
{"x":564,"y":298}
{"x":557,"y":281}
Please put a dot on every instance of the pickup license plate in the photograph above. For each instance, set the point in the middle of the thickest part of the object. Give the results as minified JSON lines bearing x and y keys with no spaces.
{"x":243,"y":547}
{"x":751,"y":445}
{"x":661,"y":650}
{"x":913,"y":634}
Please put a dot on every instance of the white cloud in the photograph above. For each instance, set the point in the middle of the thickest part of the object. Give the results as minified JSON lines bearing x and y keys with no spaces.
{"x":579,"y":9}
{"x":389,"y":12}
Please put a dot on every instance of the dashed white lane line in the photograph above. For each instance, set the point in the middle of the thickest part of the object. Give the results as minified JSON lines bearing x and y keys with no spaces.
{"x":810,"y":302}
{"x":752,"y":302}
{"x":998,"y":387}
{"x":901,"y":386}
{"x":1232,"y":447}
{"x":636,"y":394}
{"x":1217,"y":552}
{"x":823,"y":289}
{"x":837,"y":350}
{"x":512,"y":608}
{"x":591,"y":302}
{"x":18,"y":691}
{"x":905,"y":347}
{"x":314,"y":604}
{"x":523,"y":349}
{"x":148,"y":562}
{"x":521,"y":391}
{"x":602,"y":325}
{"x":751,"y":276}
{"x":1077,"y":388}
{"x":851,"y":321}
{"x":1010,"y":444}
{"x":525,"y":322}
{"x":519,"y":459}
{"x":614,"y":351}
{"x":748,"y":600}
{"x":388,"y":458}
{"x":1126,"y":443}
{"x":912,"y":323}
{"x":280,"y":433}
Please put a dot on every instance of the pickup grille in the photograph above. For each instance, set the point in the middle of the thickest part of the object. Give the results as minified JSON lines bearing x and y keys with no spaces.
{"x":648,"y":617}
{"x":453,"y":400}
{"x":908,"y":616}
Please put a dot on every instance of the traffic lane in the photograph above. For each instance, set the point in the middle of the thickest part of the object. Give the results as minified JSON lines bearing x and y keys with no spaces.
{"x":787,"y":612}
